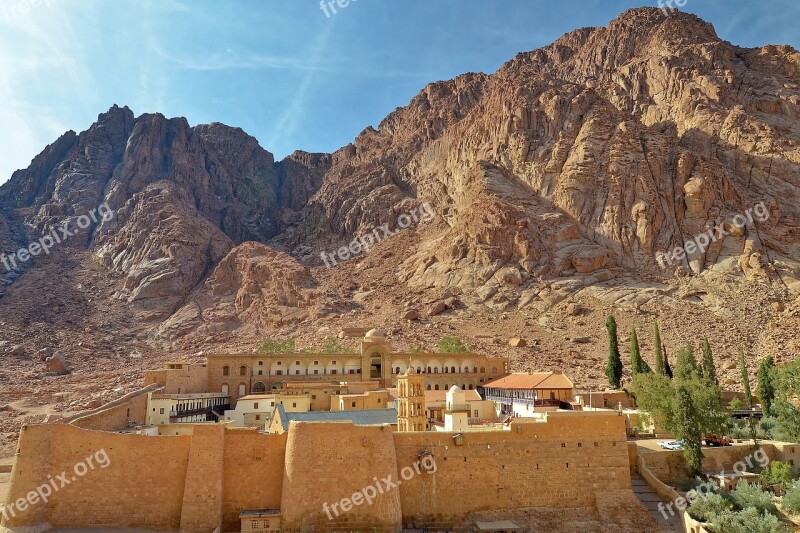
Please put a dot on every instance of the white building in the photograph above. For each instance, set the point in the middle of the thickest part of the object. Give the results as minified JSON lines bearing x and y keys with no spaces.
{"x":181,"y":408}
{"x":256,"y":409}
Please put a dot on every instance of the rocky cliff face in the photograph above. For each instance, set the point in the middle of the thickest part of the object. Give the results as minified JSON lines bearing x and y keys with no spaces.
{"x":557,"y":183}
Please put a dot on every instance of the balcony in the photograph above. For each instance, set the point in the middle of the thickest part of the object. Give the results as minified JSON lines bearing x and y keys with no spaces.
{"x":457,"y":408}
{"x":209,"y":411}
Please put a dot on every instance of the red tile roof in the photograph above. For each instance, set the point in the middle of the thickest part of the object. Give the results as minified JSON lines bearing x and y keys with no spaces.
{"x":532,"y":380}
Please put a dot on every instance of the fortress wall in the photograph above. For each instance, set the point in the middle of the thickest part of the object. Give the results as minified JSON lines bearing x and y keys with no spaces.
{"x":116,"y":415}
{"x":326,"y":462}
{"x":202,"y":496}
{"x":30,"y":470}
{"x":558,"y":464}
{"x":140,"y":485}
{"x":253,"y":473}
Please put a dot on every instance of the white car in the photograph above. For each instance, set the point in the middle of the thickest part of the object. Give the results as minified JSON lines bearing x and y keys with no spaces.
{"x":670,"y":445}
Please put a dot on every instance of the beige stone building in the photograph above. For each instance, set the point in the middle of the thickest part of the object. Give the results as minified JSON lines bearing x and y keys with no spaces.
{"x":522,"y":394}
{"x":374,"y":399}
{"x":185,"y":407}
{"x":256,"y":409}
{"x":241,"y":375}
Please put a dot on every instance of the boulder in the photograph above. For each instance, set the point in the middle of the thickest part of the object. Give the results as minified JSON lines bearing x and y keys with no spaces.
{"x":518,"y":342}
{"x":437,"y":308}
{"x":411,"y":314}
{"x":17,"y":350}
{"x":44,"y":353}
{"x":57,"y":363}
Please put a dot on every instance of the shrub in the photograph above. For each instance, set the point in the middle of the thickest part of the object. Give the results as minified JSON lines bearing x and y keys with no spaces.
{"x":452,"y":345}
{"x":748,"y":521}
{"x":778,"y":473}
{"x":706,"y":508}
{"x":270,"y":346}
{"x":791,"y":500}
{"x":746,"y":495}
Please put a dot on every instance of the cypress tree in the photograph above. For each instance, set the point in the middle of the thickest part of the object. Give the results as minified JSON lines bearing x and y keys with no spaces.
{"x":637,"y":366}
{"x":658,"y":351}
{"x":614,"y":365}
{"x":667,"y":368}
{"x":766,"y":384}
{"x":709,"y":370}
{"x":688,"y":429}
{"x":748,"y":394}
{"x":686,"y":364}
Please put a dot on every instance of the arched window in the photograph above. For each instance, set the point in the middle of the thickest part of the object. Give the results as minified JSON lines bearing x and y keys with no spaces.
{"x":419,"y":370}
{"x":453,"y":369}
{"x":475,"y":370}
{"x":242,"y":370}
{"x":242,"y":389}
{"x":397,"y":370}
{"x":470,"y":386}
{"x":226,"y":370}
{"x":428,"y":386}
{"x":259,"y":388}
{"x":429,"y":370}
{"x":446,"y":370}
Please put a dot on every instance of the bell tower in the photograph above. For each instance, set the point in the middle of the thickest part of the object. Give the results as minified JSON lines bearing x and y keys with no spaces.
{"x":411,"y":402}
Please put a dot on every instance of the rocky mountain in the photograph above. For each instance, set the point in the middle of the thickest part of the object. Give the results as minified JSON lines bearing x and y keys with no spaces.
{"x":558,"y":183}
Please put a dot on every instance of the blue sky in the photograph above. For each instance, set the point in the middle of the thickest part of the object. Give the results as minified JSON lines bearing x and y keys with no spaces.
{"x":281,"y":69}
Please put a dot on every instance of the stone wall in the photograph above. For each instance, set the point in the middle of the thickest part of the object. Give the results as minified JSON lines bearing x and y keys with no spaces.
{"x":141,"y":486}
{"x":203,"y":481}
{"x":130,"y":409}
{"x":556,"y":464}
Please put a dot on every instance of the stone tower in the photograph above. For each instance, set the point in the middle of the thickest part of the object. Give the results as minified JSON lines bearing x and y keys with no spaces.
{"x":411,"y":401}
{"x":456,"y":412}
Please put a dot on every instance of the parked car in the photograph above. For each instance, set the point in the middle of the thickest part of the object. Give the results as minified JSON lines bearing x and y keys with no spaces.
{"x":670,"y":445}
{"x":717,"y":440}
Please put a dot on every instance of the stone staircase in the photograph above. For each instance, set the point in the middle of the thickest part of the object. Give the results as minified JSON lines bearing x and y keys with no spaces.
{"x":651,"y":500}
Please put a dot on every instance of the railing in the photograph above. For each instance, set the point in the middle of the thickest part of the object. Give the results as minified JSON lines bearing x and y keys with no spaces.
{"x":457,"y":408}
{"x":198,"y":411}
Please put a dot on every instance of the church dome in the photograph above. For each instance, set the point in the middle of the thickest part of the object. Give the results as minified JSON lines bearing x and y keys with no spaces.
{"x":375,"y":334}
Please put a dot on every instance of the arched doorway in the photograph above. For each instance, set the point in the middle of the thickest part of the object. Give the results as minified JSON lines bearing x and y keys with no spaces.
{"x":375,"y":367}
{"x":259,"y":388}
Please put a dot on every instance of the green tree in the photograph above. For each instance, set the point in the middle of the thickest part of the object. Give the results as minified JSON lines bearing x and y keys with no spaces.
{"x":709,"y":370}
{"x":614,"y":365}
{"x":706,"y":508}
{"x":667,"y":368}
{"x":688,"y":429}
{"x":766,"y":384}
{"x":778,"y":473}
{"x":748,"y":394}
{"x":452,"y":345}
{"x":658,"y":352}
{"x":638,"y":365}
{"x":270,"y":346}
{"x":686,"y":364}
{"x":787,"y":389}
{"x":333,"y":346}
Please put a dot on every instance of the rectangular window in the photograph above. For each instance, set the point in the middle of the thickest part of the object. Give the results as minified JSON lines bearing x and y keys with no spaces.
{"x":161,"y":411}
{"x":294,"y":404}
{"x":279,"y":372}
{"x":255,"y":405}
{"x":316,"y":371}
{"x":333,"y":371}
{"x":313,"y":396}
{"x":297,"y":372}
{"x":353,"y":404}
{"x":258,"y":417}
{"x":254,"y":524}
